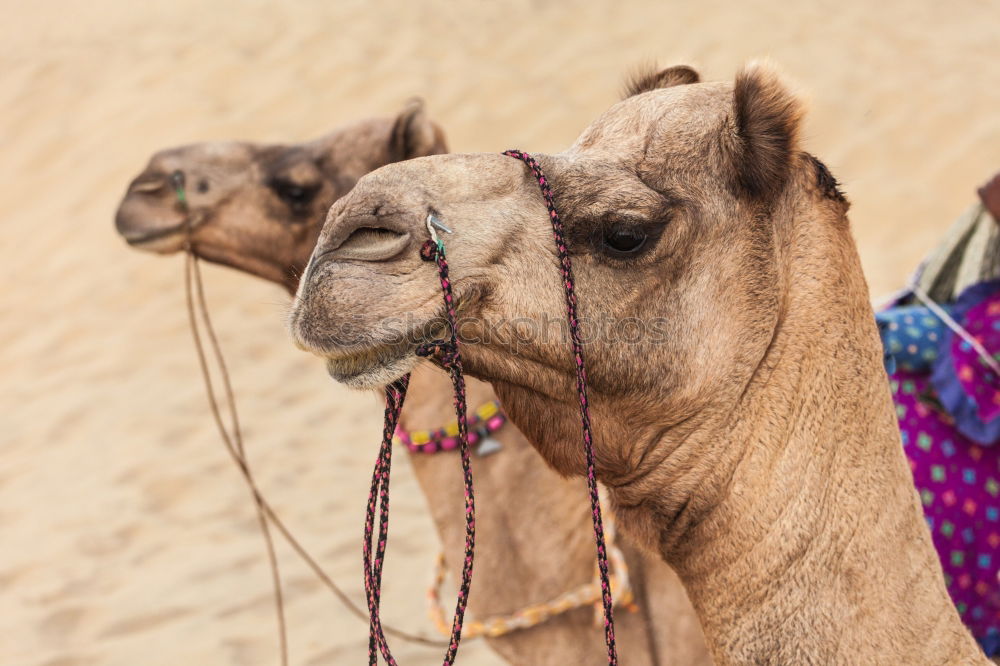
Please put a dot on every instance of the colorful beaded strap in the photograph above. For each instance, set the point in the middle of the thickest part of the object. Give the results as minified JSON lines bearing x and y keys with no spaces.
{"x":484,"y":421}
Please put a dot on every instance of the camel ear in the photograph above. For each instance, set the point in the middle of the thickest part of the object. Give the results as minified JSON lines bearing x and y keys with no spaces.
{"x":646,"y":80}
{"x":414,"y":135}
{"x":763,"y":132}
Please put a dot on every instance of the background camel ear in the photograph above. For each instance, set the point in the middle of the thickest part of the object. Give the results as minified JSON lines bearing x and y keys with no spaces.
{"x":764,"y":131}
{"x":414,"y":135}
{"x":650,"y":79}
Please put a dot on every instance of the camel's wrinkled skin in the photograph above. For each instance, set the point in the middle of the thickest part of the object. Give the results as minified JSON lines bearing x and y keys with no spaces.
{"x":748,"y":435}
{"x":533,"y":539}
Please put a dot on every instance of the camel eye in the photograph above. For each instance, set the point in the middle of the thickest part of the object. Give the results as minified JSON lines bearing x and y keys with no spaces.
{"x":294,"y":194}
{"x":624,"y":241}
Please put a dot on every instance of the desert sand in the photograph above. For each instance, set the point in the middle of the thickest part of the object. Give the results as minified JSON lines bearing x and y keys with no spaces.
{"x":126,"y":537}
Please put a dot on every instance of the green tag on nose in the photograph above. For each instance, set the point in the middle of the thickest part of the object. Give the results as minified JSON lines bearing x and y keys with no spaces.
{"x":177,"y":178}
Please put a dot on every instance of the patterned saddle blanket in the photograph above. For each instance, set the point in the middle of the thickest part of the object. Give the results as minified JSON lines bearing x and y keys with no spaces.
{"x":948,"y":404}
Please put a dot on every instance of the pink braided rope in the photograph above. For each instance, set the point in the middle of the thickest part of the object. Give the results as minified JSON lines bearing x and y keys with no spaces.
{"x":581,"y":385}
{"x":379,"y":493}
{"x":448,"y":355}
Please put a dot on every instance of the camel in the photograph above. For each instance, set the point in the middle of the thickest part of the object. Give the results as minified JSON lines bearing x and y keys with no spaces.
{"x":259,"y":209}
{"x":741,"y":414}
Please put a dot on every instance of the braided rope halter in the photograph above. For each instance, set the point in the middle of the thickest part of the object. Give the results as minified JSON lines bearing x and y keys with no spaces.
{"x":566,"y":267}
{"x":447,"y":354}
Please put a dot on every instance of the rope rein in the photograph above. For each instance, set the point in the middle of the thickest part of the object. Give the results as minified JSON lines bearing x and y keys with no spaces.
{"x":487,"y":419}
{"x":395,"y":394}
{"x":566,"y":267}
{"x":233,"y":441}
{"x":233,"y":437}
{"x":448,"y":355}
{"x":275,"y":519}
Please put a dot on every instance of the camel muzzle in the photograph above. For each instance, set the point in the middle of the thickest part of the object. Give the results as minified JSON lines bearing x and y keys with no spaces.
{"x":153,"y":215}
{"x":149,"y":225}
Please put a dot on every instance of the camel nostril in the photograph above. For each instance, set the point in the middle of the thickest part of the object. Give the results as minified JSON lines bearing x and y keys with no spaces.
{"x":372,"y":244}
{"x":147,"y":184}
{"x":369,"y":236}
{"x":365,"y":244}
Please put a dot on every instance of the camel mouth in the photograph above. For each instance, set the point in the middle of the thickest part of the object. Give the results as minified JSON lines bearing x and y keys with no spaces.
{"x":358,"y":360}
{"x":371,"y":370}
{"x":151,"y":226}
{"x":163,"y":241}
{"x":141,"y":236}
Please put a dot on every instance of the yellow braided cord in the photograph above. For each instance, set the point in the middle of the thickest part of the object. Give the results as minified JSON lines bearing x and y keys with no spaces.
{"x":588,"y":594}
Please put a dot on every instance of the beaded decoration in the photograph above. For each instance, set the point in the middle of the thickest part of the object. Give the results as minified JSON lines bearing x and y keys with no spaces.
{"x":486,"y":420}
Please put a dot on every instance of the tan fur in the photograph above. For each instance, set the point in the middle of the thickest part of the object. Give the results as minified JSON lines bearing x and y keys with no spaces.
{"x":749,"y":435}
{"x":533,"y":542}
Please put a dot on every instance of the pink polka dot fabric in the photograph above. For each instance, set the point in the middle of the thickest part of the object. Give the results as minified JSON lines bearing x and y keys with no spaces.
{"x":959,"y":482}
{"x":949,"y":417}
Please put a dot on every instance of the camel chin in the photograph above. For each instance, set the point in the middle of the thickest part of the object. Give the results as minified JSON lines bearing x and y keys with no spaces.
{"x":369,"y":372}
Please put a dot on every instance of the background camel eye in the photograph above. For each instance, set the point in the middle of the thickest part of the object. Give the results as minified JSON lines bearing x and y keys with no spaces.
{"x":624,"y":241}
{"x":293,"y":193}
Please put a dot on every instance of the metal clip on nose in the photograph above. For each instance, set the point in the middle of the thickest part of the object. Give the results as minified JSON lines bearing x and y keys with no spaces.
{"x":434,"y":223}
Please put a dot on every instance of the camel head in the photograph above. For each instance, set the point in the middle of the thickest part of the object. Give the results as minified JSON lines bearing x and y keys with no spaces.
{"x":677,"y":203}
{"x":259,"y":207}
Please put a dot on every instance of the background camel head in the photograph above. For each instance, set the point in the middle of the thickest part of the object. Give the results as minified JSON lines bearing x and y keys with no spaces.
{"x":678,"y":203}
{"x":259,"y":207}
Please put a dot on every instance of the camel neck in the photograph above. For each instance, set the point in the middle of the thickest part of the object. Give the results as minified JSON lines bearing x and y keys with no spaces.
{"x":525,"y":513}
{"x":812,"y":547}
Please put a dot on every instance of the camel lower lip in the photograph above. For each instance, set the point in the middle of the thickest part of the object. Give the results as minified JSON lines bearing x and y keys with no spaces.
{"x":364,"y":362}
{"x":361,"y":360}
{"x":369,"y":372}
{"x":160,"y":240}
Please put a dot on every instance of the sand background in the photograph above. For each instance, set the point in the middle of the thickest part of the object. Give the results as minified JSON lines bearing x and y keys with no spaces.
{"x":125,"y":535}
